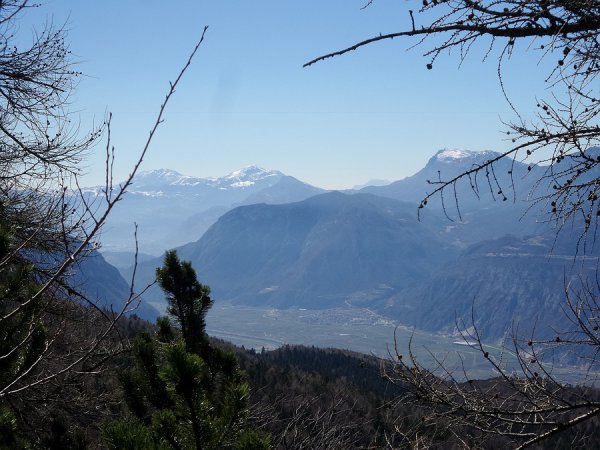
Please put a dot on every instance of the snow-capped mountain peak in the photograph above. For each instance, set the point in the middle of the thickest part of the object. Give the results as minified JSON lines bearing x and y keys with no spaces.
{"x":251,"y":173}
{"x":452,"y":153}
{"x":159,"y":181}
{"x":456,"y":155}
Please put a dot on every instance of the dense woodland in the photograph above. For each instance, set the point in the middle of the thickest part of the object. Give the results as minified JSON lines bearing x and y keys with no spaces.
{"x":302,"y":397}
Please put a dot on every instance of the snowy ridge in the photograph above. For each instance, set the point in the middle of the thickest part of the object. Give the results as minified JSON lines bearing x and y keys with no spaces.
{"x":453,"y":155}
{"x":248,"y":176}
{"x":168,"y":182}
{"x":154,"y":182}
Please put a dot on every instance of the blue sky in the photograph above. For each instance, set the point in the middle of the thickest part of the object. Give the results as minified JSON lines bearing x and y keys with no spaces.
{"x":374,"y":113}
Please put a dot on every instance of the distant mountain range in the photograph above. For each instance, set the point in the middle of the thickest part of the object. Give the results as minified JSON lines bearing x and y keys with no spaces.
{"x":262,"y":238}
{"x":374,"y":182}
{"x":172,"y":209}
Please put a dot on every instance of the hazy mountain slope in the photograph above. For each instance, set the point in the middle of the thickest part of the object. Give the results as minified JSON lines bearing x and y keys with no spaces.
{"x":508,"y":281}
{"x":483,"y":215}
{"x":446,"y":164}
{"x":360,"y":249}
{"x":104,"y":285}
{"x":286,"y":190}
{"x":373,"y":182}
{"x":329,"y":250}
{"x":123,"y":260}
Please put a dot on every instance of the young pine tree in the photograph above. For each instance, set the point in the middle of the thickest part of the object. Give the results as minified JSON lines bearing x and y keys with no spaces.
{"x":183,"y":393}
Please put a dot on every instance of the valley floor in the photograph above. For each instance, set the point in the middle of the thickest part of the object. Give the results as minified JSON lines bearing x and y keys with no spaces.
{"x":356,"y":329}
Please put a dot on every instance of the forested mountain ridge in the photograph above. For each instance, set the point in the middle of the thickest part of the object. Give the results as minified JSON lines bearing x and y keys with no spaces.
{"x":347,"y":394}
{"x":506,"y":284}
{"x":330,"y":250}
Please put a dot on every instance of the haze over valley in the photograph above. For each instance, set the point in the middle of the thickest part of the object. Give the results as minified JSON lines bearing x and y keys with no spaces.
{"x":269,"y":243}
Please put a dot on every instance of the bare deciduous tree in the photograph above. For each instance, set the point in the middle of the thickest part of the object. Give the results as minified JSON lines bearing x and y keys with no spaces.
{"x":531,"y":404}
{"x":315,"y":422}
{"x":527,"y":402}
{"x":48,"y":225}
